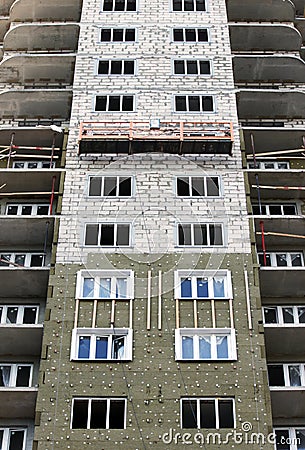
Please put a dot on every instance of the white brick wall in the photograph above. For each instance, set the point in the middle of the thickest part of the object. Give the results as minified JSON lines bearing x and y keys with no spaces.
{"x":154,"y":87}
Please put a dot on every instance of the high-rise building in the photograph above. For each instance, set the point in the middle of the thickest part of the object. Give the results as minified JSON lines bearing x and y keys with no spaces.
{"x":151,"y":229}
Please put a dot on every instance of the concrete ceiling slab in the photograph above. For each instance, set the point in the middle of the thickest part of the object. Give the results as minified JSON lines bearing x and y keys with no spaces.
{"x":23,"y":283}
{"x":260,"y":10}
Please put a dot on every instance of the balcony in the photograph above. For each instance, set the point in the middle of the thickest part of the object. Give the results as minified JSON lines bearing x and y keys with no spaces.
{"x":261,"y":37}
{"x":165,"y":137}
{"x":270,"y":104}
{"x":42,"y":70}
{"x":260,"y":10}
{"x":279,"y":184}
{"x":20,"y":340}
{"x":35,"y":231}
{"x":35,"y":10}
{"x":270,"y":138}
{"x":21,"y":402}
{"x":268,"y":69}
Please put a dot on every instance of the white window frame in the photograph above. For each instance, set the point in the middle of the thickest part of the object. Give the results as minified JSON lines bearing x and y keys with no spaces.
{"x":7,"y":435}
{"x":108,"y":399}
{"x":107,"y":103}
{"x":196,"y":333}
{"x":267,"y":207}
{"x":96,"y":275}
{"x":216,"y":403}
{"x":210,"y":275}
{"x":14,"y":373}
{"x":205,"y":179}
{"x":261,"y":165}
{"x":193,"y":60}
{"x":132,"y":179}
{"x":293,"y":440}
{"x":288,"y":257}
{"x":192,"y":244}
{"x":190,"y":28}
{"x":27,"y":263}
{"x":191,"y":11}
{"x":125,"y":8}
{"x":122,"y":74}
{"x":94,"y":333}
{"x":34,"y":210}
{"x":188,"y":111}
{"x":280,"y":316}
{"x":39,"y":165}
{"x":20,"y":315}
{"x":115,"y":235}
{"x":287,"y":385}
{"x":124,"y":35}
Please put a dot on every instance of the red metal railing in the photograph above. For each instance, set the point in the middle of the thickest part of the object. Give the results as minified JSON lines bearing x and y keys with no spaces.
{"x":182,"y":131}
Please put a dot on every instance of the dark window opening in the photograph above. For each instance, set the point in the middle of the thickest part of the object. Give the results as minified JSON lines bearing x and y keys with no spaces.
{"x":130,"y":35}
{"x":125,"y":187}
{"x":216,"y":235}
{"x":107,"y":5}
{"x":127,"y":103}
{"x":190,"y":35}
{"x":117,"y":414}
{"x":114,"y":103}
{"x":213,"y":186}
{"x":95,"y":186}
{"x":184,"y":235}
{"x":16,"y":440}
{"x":180,"y":103}
{"x":106,"y":35}
{"x":276,"y":375}
{"x":80,"y":414}
{"x":98,"y":414}
{"x":107,"y":235}
{"x":183,"y":187}
{"x":189,"y":414}
{"x":110,"y":186}
{"x":118,"y":35}
{"x":91,"y":237}
{"x":226,"y":416}
{"x":103,"y":67}
{"x":116,"y":67}
{"x":29,"y":315}
{"x":178,"y":35}
{"x":207,"y":414}
{"x":23,"y":376}
{"x":101,"y":103}
{"x":123,"y":235}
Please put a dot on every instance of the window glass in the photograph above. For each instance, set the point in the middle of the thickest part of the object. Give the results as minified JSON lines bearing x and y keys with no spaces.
{"x":88,"y":287}
{"x":281,"y":259}
{"x":42,"y":210}
{"x":202,"y":287}
{"x":114,"y":103}
{"x":179,"y":68}
{"x":106,"y":35}
{"x":222,"y":347}
{"x":23,"y":376}
{"x":213,"y":186}
{"x":5,"y":260}
{"x":121,"y":287}
{"x":271,"y":315}
{"x":189,"y":413}
{"x":300,"y":436}
{"x":20,"y":260}
{"x":215,"y":234}
{"x":11,"y":316}
{"x":296,"y":260}
{"x":110,"y":186}
{"x":122,"y":235}
{"x":91,"y":237}
{"x":198,"y":186}
{"x":226,"y":416}
{"x":294,"y":376}
{"x":184,"y":235}
{"x":219,"y":287}
{"x":282,"y":439}
{"x":29,"y":315}
{"x":288,"y":315}
{"x":186,"y":288}
{"x":192,"y":67}
{"x":118,"y":347}
{"x":130,"y":35}
{"x":5,"y":374}
{"x":200,"y":234}
{"x":16,"y":439}
{"x":183,"y":187}
{"x":187,"y":347}
{"x":95,"y":186}
{"x":105,"y":287}
{"x":204,"y":347}
{"x":12,"y":210}
{"x":124,"y":186}
{"x":84,"y":347}
{"x":178,"y":35}
{"x":194,"y":103}
{"x":207,"y":414}
{"x":203,"y":35}
{"x":36,"y":261}
{"x":98,"y":414}
{"x":26,"y":210}
{"x":117,"y":414}
{"x":276,"y":375}
{"x":101,"y":350}
{"x":289,"y":210}
{"x":107,"y":235}
{"x":301,"y":314}
{"x":80,"y":414}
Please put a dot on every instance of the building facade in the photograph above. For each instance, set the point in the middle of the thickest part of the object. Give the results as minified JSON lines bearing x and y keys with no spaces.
{"x":152,"y":289}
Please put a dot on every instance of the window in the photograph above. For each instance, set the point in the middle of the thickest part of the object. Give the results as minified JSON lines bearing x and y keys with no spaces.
{"x":114,"y":103}
{"x":207,"y":413}
{"x":194,"y":103}
{"x":99,"y":413}
{"x":190,"y":35}
{"x":116,"y":67}
{"x":189,"y":5}
{"x":290,"y":438}
{"x":284,"y":315}
{"x":115,"y":186}
{"x":12,"y":438}
{"x":205,"y":344}
{"x":281,"y":259}
{"x":25,"y":209}
{"x":102,"y":344}
{"x":200,"y":234}
{"x":269,"y":165}
{"x":105,"y":284}
{"x":275,"y":209}
{"x":107,"y":235}
{"x":119,"y":5}
{"x":192,"y":67}
{"x":18,"y":314}
{"x":16,"y":375}
{"x":207,"y":284}
{"x":118,"y":35}
{"x":15,"y":260}
{"x":286,"y":375}
{"x":198,"y":186}
{"x":33,"y":164}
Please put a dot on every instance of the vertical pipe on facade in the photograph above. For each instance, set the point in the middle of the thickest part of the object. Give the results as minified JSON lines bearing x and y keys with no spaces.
{"x":53,"y":150}
{"x":261,"y":224}
{"x":10,"y":150}
{"x":52,"y":195}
